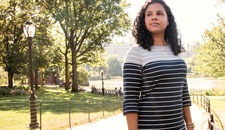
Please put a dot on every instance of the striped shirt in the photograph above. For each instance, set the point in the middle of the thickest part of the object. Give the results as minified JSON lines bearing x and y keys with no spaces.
{"x":155,"y":87}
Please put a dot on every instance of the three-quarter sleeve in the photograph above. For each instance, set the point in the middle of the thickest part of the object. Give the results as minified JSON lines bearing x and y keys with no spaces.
{"x":185,"y":95}
{"x":132,"y":78}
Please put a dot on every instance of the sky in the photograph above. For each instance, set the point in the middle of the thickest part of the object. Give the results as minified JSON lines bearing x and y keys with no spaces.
{"x":193,"y":17}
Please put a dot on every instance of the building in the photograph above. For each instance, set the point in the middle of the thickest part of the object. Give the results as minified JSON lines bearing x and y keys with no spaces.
{"x":120,"y":49}
{"x":117,"y":49}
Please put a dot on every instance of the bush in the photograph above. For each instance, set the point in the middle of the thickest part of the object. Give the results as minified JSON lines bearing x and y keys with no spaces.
{"x":5,"y":91}
{"x":18,"y":92}
{"x":215,"y":92}
{"x":82,"y":76}
{"x":23,"y":87}
{"x":208,"y":92}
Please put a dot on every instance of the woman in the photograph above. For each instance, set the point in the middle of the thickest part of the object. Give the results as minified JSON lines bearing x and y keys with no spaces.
{"x":156,"y":95}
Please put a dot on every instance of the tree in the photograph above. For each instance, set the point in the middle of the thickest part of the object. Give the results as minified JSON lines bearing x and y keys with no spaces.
{"x":210,"y":59}
{"x":43,"y":44}
{"x":88,"y":24}
{"x":82,"y":76}
{"x":64,"y":49}
{"x":190,"y":64}
{"x":220,"y":1}
{"x":13,"y":46}
{"x":114,"y":64}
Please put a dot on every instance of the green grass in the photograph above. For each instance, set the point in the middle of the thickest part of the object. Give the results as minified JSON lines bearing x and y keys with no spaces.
{"x":217,"y":105}
{"x":211,"y":92}
{"x":15,"y":113}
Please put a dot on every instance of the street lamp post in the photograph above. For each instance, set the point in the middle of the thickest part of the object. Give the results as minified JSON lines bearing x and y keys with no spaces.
{"x":29,"y":29}
{"x":102,"y":83}
{"x":56,"y":79}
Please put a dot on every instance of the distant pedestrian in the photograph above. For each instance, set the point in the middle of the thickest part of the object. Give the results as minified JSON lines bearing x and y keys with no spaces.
{"x":64,"y":83}
{"x":120,"y":91}
{"x":93,"y":89}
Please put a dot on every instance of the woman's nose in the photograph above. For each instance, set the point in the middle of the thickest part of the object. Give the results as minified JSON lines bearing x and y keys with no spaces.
{"x":154,"y":17}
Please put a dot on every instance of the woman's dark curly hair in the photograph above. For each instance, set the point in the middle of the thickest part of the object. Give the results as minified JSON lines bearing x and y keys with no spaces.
{"x":143,"y":36}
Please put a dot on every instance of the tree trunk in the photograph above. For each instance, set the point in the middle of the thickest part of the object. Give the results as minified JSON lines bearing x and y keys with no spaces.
{"x":74,"y":67}
{"x":66,"y":57}
{"x":42,"y":78}
{"x":66,"y":70}
{"x":10,"y":80}
{"x":36,"y":79}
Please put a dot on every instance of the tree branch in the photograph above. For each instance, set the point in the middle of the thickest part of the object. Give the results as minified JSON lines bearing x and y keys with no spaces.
{"x":61,"y":51}
{"x":82,"y":40}
{"x":90,"y":46}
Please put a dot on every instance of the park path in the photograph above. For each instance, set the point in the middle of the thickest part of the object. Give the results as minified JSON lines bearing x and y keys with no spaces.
{"x":118,"y":122}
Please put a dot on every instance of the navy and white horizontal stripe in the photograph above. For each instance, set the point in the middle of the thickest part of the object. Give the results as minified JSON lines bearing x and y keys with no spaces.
{"x":155,"y":87}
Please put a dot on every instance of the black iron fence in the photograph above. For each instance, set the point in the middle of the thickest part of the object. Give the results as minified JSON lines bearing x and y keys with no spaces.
{"x":204,"y":102}
{"x":89,"y":110}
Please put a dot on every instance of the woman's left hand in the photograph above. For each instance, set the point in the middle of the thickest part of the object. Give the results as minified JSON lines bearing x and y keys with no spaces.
{"x":190,"y":128}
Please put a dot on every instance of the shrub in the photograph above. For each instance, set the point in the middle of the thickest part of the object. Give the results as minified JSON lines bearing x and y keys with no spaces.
{"x":208,"y":92}
{"x":82,"y":76}
{"x":5,"y":91}
{"x":18,"y":92}
{"x":23,"y":87}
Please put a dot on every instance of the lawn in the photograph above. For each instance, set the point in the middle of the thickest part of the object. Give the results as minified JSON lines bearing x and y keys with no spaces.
{"x":218,"y":105}
{"x":14,"y":111}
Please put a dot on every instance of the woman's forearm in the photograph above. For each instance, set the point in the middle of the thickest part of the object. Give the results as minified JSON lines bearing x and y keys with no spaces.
{"x":187,"y":116}
{"x":132,"y":121}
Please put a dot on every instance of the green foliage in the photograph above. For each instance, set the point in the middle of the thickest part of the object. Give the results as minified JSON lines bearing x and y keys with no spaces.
{"x":13,"y":47}
{"x":18,"y":92}
{"x":115,"y":68}
{"x":95,"y":73}
{"x":88,"y":25}
{"x":82,"y":74}
{"x":210,"y":60}
{"x":208,"y":92}
{"x":5,"y":91}
{"x":214,"y":92}
{"x":190,"y":64}
{"x":43,"y":45}
{"x":220,"y":1}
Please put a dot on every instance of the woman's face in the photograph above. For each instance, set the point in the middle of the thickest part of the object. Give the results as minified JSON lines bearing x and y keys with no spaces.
{"x":156,"y":19}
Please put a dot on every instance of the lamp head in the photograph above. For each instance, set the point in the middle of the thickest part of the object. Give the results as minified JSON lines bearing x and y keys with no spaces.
{"x":29,"y":28}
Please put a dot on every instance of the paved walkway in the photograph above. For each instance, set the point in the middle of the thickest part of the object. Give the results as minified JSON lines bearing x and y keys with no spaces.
{"x":118,"y":122}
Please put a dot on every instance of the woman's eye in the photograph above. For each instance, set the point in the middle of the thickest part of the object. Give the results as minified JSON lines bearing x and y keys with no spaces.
{"x":160,"y":14}
{"x":148,"y":14}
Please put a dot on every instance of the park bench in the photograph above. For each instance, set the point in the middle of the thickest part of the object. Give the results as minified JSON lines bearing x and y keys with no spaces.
{"x":107,"y":92}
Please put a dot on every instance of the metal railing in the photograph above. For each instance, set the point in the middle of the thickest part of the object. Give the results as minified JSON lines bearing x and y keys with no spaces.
{"x":96,"y":108}
{"x":204,"y":102}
